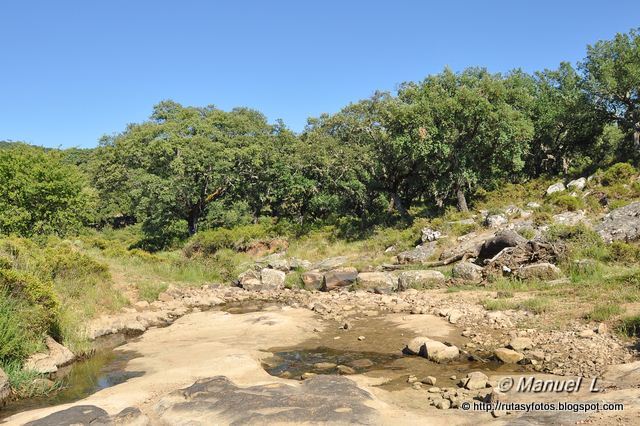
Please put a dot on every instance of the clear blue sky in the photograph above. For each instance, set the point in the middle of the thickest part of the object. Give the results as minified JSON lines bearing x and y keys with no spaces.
{"x":71,"y":71}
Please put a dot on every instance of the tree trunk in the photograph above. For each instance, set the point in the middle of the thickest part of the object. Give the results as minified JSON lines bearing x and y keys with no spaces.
{"x":192,"y":221}
{"x":396,"y":203}
{"x":462,"y":201}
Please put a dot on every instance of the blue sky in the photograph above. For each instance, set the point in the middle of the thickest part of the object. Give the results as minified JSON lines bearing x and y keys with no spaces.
{"x":71,"y":71}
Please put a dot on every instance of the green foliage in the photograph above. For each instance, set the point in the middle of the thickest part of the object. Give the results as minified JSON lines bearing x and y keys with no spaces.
{"x":619,"y":173}
{"x":612,"y":75}
{"x":622,"y":252}
{"x":629,"y":326}
{"x":17,"y":337}
{"x":604,"y":312}
{"x":210,"y":241}
{"x":150,"y":291}
{"x":39,"y":194}
{"x":566,"y":201}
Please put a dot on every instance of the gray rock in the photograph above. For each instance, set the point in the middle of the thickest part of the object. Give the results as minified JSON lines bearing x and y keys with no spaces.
{"x":420,"y":254}
{"x":341,"y":278}
{"x":377,"y":282}
{"x":556,"y":187}
{"x":429,"y":235}
{"x":330,"y":263}
{"x":419,"y":279}
{"x":250,"y":280}
{"x":579,"y":184}
{"x":467,"y":271}
{"x":570,"y":218}
{"x":495,"y":221}
{"x":272,"y":279}
{"x":296,"y":263}
{"x":322,"y":399}
{"x":621,"y":224}
{"x":540,"y":271}
{"x":90,"y":414}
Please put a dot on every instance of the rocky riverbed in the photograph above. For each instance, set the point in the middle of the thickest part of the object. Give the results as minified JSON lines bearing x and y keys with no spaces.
{"x":201,"y":344}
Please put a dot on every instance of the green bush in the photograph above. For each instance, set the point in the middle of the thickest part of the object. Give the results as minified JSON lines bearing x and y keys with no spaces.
{"x":17,"y":338}
{"x":619,"y":173}
{"x":622,"y":252}
{"x":567,"y":202}
{"x":210,"y":241}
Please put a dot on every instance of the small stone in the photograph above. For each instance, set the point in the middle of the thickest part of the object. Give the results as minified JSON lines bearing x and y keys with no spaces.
{"x":434,"y":390}
{"x":520,"y":343}
{"x":324,"y":365}
{"x":343,"y":369}
{"x":412,"y":379}
{"x":602,"y":328}
{"x":475,"y":380}
{"x":443,"y":404}
{"x":361,"y":363}
{"x":361,"y":338}
{"x":307,"y":375}
{"x":429,"y":380}
{"x":586,"y":333}
{"x":508,"y":356}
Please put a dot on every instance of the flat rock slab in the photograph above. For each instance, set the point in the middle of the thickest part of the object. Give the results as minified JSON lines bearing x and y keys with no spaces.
{"x":320,"y":399}
{"x":90,"y":414}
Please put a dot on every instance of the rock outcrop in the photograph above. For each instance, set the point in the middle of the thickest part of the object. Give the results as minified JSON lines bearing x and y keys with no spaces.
{"x":320,"y":399}
{"x":339,"y":278}
{"x":377,"y":282}
{"x":45,"y":363}
{"x":467,"y":271}
{"x":621,"y":224}
{"x":419,"y":279}
{"x":420,"y":254}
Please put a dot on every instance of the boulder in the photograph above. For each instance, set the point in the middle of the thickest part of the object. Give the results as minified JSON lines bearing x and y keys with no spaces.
{"x":431,"y":349}
{"x":429,"y":235}
{"x":475,"y":380}
{"x":45,"y":363}
{"x":339,"y":278}
{"x":250,"y":280}
{"x":419,"y":279}
{"x":5,"y":387}
{"x":377,"y":282}
{"x":508,"y":356}
{"x":495,"y":221}
{"x":556,"y":187}
{"x":533,"y":205}
{"x":621,"y":224}
{"x":467,"y":271}
{"x":330,"y":263}
{"x":578,"y":184}
{"x":272,"y":279}
{"x":313,"y":280}
{"x":540,"y":271}
{"x":570,"y":218}
{"x":501,"y":240}
{"x":520,"y":343}
{"x":420,"y":254}
{"x":296,"y":263}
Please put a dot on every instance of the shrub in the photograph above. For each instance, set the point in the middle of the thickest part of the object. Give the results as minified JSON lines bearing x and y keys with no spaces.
{"x":210,"y":241}
{"x":630,"y":326}
{"x":17,"y":339}
{"x":150,"y":291}
{"x":622,"y":252}
{"x":567,"y":202}
{"x":618,"y":173}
